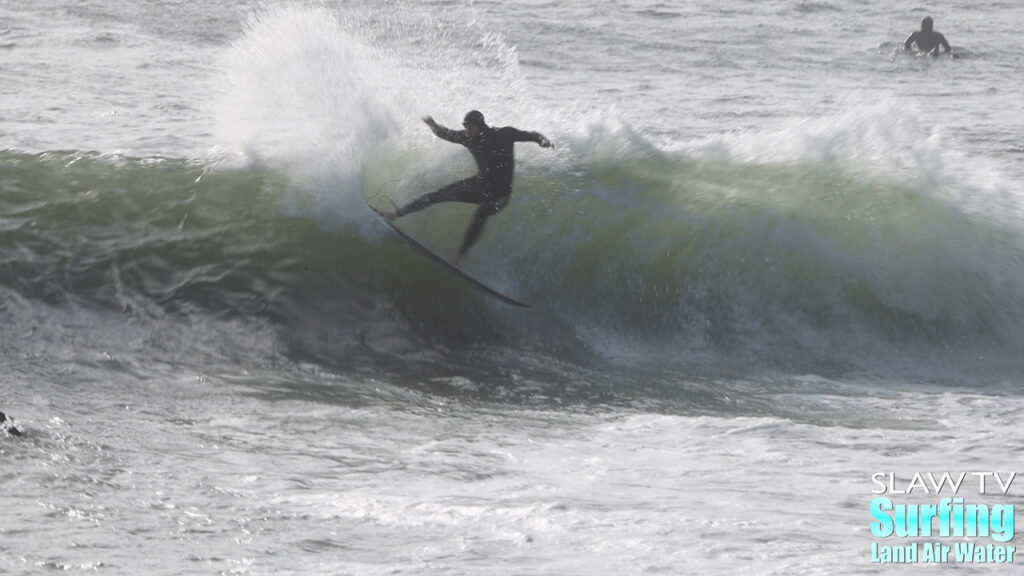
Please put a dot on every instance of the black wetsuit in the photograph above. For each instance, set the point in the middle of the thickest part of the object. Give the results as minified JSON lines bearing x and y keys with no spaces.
{"x":492,"y":149}
{"x":927,"y":41}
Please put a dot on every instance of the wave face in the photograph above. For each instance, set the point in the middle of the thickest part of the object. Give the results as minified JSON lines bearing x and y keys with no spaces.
{"x":635,"y":254}
{"x":840,"y":241}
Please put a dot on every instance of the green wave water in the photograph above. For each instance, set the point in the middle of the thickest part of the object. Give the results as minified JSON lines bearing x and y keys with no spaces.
{"x":640,"y":256}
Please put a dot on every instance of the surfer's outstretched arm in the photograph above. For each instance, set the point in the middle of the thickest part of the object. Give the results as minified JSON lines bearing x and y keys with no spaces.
{"x":543,"y":141}
{"x":524,"y":136}
{"x":537,"y":137}
{"x":444,"y":133}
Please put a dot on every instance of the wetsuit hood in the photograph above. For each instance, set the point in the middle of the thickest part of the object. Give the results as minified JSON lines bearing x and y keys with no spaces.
{"x":476,"y":118}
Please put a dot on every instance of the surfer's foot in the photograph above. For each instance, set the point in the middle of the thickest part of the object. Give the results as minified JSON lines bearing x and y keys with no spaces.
{"x":395,"y":211}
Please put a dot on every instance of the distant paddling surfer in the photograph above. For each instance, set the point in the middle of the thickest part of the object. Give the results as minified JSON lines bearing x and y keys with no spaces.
{"x":927,"y":39}
{"x":8,"y":425}
{"x":490,"y":188}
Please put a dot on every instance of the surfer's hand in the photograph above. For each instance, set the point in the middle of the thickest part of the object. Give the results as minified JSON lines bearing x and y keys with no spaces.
{"x":429,"y":120}
{"x":545,"y":143}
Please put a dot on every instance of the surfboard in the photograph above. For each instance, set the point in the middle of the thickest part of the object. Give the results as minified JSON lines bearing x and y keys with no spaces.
{"x":444,"y":262}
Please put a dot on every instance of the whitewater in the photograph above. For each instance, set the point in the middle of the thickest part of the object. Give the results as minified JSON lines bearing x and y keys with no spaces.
{"x":772,"y":257}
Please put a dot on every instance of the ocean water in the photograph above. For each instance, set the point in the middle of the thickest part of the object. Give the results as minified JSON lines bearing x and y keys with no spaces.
{"x":771,"y":257}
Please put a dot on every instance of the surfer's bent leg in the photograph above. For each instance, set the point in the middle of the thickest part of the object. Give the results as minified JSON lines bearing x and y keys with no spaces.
{"x":469,"y":190}
{"x":484,"y":212}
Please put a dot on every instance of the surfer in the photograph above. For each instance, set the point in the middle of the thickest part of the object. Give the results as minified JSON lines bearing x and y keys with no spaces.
{"x":927,"y":39}
{"x":490,"y":188}
{"x":8,"y":425}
